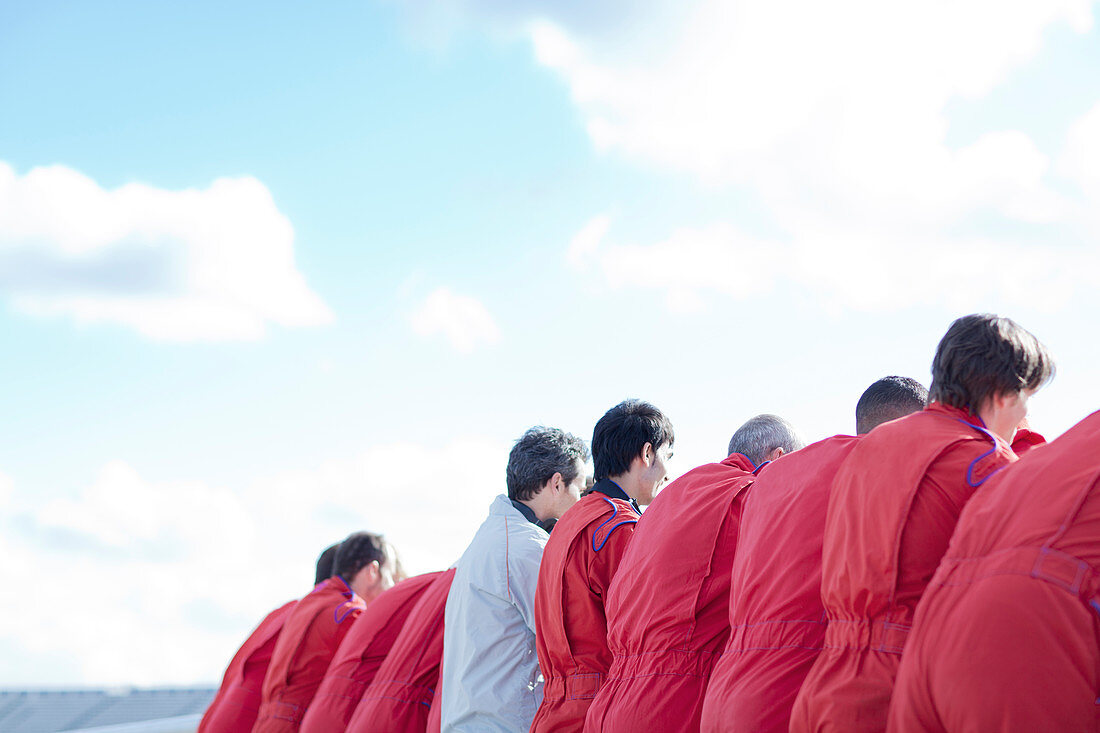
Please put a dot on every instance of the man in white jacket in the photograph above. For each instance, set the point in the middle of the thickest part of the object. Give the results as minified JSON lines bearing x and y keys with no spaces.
{"x":490,"y":678}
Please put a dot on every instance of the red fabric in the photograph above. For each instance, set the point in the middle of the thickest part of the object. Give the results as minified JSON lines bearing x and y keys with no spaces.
{"x":310,"y":637}
{"x":361,"y":654}
{"x":893,"y":507}
{"x":668,"y":607}
{"x":580,"y":558}
{"x":1026,"y":439}
{"x":235,"y":706}
{"x":776,"y":616}
{"x":1006,"y":637}
{"x":400,"y":697}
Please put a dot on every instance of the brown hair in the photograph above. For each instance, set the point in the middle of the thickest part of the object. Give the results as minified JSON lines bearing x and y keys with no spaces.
{"x":983,"y":355}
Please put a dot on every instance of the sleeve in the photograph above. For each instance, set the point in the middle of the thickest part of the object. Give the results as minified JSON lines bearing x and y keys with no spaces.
{"x":523,"y":578}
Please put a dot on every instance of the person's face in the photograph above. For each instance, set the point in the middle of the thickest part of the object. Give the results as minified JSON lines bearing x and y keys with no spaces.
{"x":1009,"y":411}
{"x":571,"y":492}
{"x":655,"y":474}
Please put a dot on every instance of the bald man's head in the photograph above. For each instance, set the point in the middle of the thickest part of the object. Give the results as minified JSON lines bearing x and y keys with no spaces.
{"x":760,"y":437}
{"x":888,"y":399}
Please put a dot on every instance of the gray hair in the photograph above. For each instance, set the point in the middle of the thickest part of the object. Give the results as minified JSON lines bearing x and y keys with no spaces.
{"x":761,"y":435}
{"x":538,"y":455}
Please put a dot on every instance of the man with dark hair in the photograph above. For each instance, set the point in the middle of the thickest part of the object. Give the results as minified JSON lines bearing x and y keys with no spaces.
{"x":765,"y":438}
{"x":234,"y":708}
{"x":361,"y":655}
{"x":888,"y":399}
{"x":490,"y":679}
{"x":894,"y":504}
{"x":365,"y":566}
{"x":775,"y":612}
{"x":1005,"y":637}
{"x":668,"y":609}
{"x":630,"y":446}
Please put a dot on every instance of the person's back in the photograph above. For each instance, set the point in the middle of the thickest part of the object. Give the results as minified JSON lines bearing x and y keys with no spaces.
{"x":1007,"y":636}
{"x":361,"y":654}
{"x":668,"y":605}
{"x":400,"y":697}
{"x":894,"y":505}
{"x":630,"y":445}
{"x":237,"y":703}
{"x":490,"y":678}
{"x":777,"y":621}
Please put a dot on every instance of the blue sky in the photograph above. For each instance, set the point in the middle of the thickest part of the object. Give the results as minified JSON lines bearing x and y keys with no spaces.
{"x":270,"y":274}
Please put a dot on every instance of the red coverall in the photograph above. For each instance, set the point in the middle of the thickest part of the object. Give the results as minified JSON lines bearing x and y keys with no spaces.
{"x":893,"y":507}
{"x":361,"y":653}
{"x":668,"y":607}
{"x":235,"y":706}
{"x":776,"y":616}
{"x":313,"y":631}
{"x":580,"y":558}
{"x":400,"y":697}
{"x":1007,"y":637}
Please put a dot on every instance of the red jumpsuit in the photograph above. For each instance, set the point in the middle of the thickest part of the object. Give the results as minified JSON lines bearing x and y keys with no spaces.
{"x":400,"y":697}
{"x":361,"y":653}
{"x":668,"y":607}
{"x":1007,"y":637}
{"x":893,"y":507}
{"x":234,"y":707}
{"x":580,"y":558}
{"x":776,"y":616}
{"x":310,"y":637}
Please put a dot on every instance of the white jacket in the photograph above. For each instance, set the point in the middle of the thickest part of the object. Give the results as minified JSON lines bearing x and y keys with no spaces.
{"x":490,"y":678}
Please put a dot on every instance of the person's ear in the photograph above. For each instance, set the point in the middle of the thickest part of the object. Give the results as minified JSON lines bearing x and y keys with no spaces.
{"x":777,"y":454}
{"x":558,"y":482}
{"x":647,"y":454}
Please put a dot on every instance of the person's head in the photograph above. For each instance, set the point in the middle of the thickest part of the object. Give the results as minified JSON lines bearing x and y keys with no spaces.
{"x":888,"y":399}
{"x":989,"y":366}
{"x":765,"y":438}
{"x":324,"y":563}
{"x":368,"y":564}
{"x":546,"y":470}
{"x":631,"y":444}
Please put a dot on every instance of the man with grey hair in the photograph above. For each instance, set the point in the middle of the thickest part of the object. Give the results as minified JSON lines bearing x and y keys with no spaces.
{"x":765,"y":438}
{"x":490,"y":679}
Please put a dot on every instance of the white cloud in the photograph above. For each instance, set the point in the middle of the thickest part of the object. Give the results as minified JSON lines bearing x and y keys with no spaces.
{"x":464,"y":321}
{"x":587,"y":240}
{"x":169,"y":576}
{"x":187,"y":265}
{"x":7,"y":488}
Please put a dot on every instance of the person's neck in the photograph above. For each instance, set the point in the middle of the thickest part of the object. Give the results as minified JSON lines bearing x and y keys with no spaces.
{"x":628,"y":483}
{"x":539,"y":506}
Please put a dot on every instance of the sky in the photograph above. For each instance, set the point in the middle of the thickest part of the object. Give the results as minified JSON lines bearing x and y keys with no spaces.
{"x":271,"y":273}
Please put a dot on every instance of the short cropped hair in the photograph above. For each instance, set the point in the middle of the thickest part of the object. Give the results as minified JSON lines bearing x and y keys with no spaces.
{"x":325,"y":562}
{"x":356,"y":552}
{"x":538,"y":455}
{"x":761,"y":435}
{"x":621,"y":434}
{"x":888,"y":399}
{"x":984,"y":355}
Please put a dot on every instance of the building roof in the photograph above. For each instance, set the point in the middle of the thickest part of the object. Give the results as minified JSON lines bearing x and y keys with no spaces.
{"x":52,"y":711}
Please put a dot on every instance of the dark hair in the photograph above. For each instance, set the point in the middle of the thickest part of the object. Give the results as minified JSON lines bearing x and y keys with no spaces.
{"x":538,"y":455}
{"x":983,"y":355}
{"x":888,"y":399}
{"x":356,"y":552}
{"x":622,"y":432}
{"x":761,"y":435}
{"x":325,"y":562}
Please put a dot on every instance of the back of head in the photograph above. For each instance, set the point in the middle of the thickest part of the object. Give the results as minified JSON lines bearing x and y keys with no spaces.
{"x":538,"y":455}
{"x":621,"y":434}
{"x":985,"y":355}
{"x":761,"y":435}
{"x":888,"y":399}
{"x":325,"y":563}
{"x":357,"y":551}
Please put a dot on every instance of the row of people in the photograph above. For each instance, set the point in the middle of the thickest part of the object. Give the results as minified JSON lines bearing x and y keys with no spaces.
{"x":774,"y":590}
